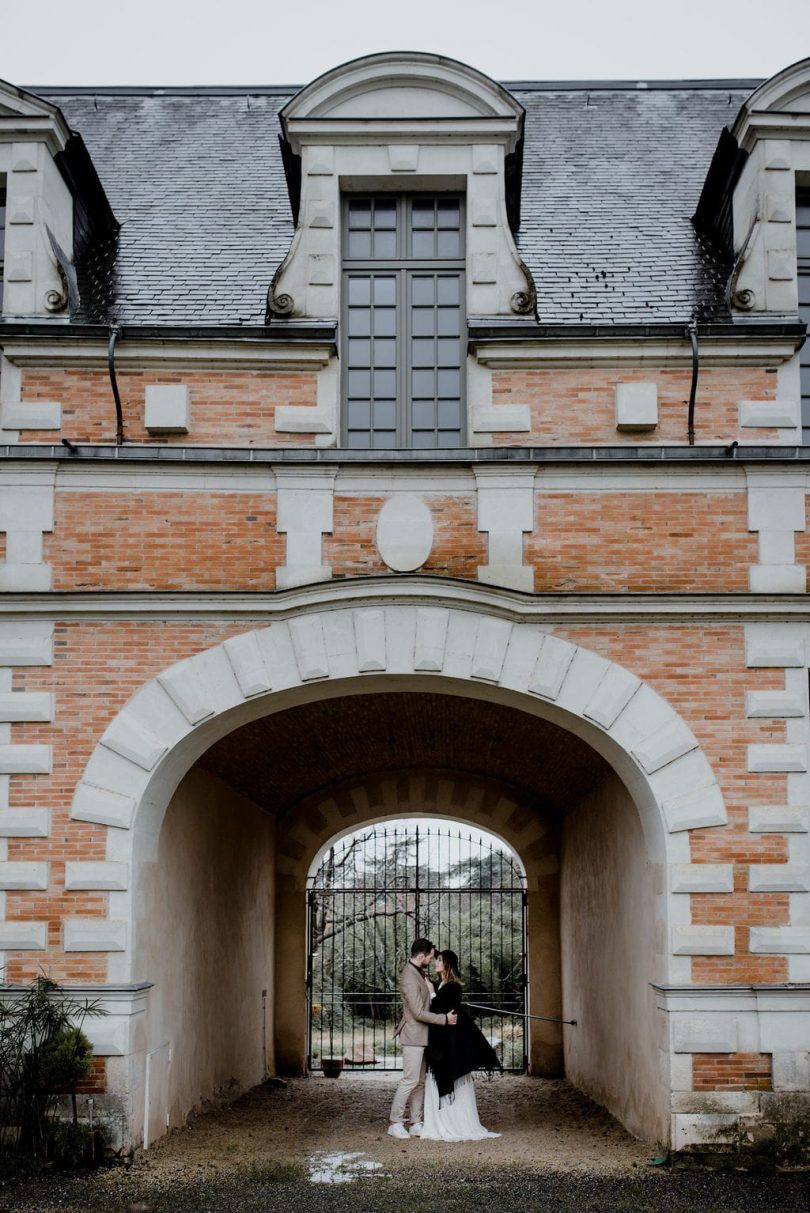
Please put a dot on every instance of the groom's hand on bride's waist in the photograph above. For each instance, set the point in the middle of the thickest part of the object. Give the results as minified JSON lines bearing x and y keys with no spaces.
{"x":452,"y":1018}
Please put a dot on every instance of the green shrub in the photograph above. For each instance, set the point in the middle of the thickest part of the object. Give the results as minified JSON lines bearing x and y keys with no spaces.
{"x":43,"y":1054}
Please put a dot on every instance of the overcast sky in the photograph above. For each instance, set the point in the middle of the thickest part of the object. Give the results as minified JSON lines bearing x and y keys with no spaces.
{"x":291,"y":41}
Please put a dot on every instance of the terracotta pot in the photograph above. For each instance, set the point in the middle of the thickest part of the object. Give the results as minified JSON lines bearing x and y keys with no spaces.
{"x":332,"y":1066}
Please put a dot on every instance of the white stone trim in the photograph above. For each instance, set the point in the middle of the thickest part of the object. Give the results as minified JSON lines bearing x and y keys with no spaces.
{"x":25,"y":823}
{"x":96,"y":874}
{"x":768,"y":414}
{"x":501,"y":419}
{"x":703,"y":940}
{"x":38,"y":200}
{"x":776,"y":511}
{"x":305,"y":512}
{"x":26,"y":643}
{"x":777,"y":757}
{"x":779,"y":878}
{"x":102,"y":806}
{"x":505,"y":507}
{"x":30,"y":415}
{"x":696,"y":810}
{"x":621,"y":352}
{"x":134,"y":741}
{"x":25,"y":760}
{"x":779,"y":819}
{"x":707,"y":1034}
{"x":193,"y":355}
{"x":780,"y":940}
{"x":23,"y":936}
{"x":320,"y":419}
{"x":167,"y":408}
{"x":702,"y":878}
{"x":791,"y":1070}
{"x":26,"y":513}
{"x":636,"y":406}
{"x":94,"y":935}
{"x":114,"y":1033}
{"x":544,"y":609}
{"x":24,"y":875}
{"x":775,"y":644}
{"x":773,"y":705}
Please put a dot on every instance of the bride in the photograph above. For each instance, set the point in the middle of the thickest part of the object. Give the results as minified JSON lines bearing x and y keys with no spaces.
{"x":451,"y":1113}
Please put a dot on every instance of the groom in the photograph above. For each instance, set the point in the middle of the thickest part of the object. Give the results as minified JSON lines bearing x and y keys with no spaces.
{"x":416,"y":991}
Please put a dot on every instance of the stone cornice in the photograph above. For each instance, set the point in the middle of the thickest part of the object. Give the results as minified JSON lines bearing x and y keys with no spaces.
{"x":370,"y":591}
{"x":277,"y":351}
{"x":785,"y":997}
{"x":774,"y":455}
{"x":749,"y":347}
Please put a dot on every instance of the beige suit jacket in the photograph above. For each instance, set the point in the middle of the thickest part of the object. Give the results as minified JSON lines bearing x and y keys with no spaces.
{"x":412,"y":1029}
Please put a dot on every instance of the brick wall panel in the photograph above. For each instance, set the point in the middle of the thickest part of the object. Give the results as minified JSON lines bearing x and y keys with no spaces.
{"x":228,"y":408}
{"x":640,"y":542}
{"x":576,"y":405}
{"x":165,"y":541}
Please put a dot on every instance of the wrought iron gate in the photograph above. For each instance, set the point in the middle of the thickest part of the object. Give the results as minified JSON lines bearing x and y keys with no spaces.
{"x":375,"y":892}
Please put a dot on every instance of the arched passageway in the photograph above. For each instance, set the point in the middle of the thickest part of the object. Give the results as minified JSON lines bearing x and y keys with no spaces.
{"x":267,"y":800}
{"x":242,"y":765}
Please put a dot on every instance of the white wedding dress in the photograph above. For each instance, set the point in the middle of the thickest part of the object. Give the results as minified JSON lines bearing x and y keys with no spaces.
{"x":452,"y":1117}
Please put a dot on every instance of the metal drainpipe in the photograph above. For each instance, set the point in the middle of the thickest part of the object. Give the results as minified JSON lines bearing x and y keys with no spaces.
{"x":115,"y":332}
{"x":691,"y":333}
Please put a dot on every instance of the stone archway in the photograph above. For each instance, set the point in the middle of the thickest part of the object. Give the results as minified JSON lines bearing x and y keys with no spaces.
{"x":463,"y":647}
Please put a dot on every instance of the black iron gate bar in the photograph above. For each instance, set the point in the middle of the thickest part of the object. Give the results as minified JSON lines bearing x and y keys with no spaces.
{"x":372,"y":895}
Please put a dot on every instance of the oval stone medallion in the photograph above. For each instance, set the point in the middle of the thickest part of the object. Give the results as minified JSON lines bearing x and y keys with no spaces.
{"x":404,"y":532}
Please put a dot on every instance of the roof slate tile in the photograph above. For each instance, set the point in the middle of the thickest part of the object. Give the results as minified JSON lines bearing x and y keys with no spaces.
{"x":611,"y":179}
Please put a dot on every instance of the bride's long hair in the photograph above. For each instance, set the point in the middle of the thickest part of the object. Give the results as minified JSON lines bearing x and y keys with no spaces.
{"x":451,"y":966}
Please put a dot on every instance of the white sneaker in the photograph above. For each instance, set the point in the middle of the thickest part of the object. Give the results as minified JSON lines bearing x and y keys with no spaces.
{"x":416,"y":1129}
{"x":396,"y":1129}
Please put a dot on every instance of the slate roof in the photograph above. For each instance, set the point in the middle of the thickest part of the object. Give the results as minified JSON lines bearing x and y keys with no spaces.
{"x":612,"y":175}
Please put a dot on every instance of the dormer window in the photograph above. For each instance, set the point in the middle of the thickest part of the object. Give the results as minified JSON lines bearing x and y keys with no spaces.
{"x":803,"y":253}
{"x":403,"y":321}
{"x":2,"y":234}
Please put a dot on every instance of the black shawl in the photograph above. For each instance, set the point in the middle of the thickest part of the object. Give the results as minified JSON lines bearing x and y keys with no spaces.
{"x":453,"y":1052}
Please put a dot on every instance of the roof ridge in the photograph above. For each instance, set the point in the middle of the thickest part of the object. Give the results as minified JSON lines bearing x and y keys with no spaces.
{"x":284,"y":90}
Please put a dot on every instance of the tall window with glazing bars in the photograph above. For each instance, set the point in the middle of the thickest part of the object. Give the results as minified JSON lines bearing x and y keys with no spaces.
{"x":403,"y":344}
{"x":803,"y":252}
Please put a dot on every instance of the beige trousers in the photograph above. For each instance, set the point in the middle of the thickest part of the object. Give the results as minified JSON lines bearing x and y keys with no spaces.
{"x":411,"y":1086}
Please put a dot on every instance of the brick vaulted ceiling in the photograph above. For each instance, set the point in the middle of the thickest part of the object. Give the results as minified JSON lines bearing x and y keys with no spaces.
{"x":281,"y":759}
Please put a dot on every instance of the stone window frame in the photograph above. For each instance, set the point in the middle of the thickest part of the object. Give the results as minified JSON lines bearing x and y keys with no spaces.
{"x":401,"y":121}
{"x":3,"y":211}
{"x":405,"y":266}
{"x":803,"y":271}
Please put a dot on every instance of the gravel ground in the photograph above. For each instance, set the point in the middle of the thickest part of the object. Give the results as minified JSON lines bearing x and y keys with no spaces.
{"x":558,"y":1152}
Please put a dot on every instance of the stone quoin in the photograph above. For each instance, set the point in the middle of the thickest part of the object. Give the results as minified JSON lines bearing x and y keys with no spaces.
{"x":396,"y":446}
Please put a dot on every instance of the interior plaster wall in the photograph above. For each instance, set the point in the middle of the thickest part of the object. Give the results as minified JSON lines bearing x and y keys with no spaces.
{"x":206,"y":931}
{"x":608,"y":936}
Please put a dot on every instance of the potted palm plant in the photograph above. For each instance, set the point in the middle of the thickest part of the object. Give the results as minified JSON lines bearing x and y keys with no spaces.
{"x":332,"y":1066}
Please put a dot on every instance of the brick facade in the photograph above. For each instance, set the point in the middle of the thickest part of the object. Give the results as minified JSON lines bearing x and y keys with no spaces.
{"x":638,"y":598}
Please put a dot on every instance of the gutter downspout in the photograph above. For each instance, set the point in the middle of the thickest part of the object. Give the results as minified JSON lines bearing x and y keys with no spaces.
{"x":691,"y":333}
{"x":115,"y":333}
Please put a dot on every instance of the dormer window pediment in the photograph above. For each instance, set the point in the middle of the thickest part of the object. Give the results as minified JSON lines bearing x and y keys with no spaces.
{"x":400,"y":86}
{"x":402,"y":122}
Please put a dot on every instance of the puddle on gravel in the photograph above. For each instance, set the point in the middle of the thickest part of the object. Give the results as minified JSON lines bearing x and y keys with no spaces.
{"x":341,"y":1167}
